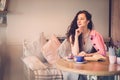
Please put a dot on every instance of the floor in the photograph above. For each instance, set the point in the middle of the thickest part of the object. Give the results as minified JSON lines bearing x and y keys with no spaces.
{"x":12,"y":65}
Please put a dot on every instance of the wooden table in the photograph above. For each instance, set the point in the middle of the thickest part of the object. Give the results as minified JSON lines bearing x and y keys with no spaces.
{"x":89,"y":68}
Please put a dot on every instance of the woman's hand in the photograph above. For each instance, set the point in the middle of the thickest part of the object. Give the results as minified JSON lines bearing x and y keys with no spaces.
{"x":78,"y":31}
{"x":82,"y":53}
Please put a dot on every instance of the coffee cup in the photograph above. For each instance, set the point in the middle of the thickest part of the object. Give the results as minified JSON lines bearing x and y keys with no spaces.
{"x":79,"y":58}
{"x":70,"y":56}
{"x":112,"y":59}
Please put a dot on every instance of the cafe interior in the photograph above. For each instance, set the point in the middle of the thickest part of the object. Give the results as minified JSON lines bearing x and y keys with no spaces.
{"x":29,"y":28}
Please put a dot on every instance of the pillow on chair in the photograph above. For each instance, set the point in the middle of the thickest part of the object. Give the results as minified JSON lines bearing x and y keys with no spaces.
{"x":33,"y":63}
{"x":42,"y":42}
{"x":64,"y":49}
{"x":49,"y":50}
{"x":34,"y":47}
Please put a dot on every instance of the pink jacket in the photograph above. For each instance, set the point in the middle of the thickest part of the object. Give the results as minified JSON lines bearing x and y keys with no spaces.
{"x":98,"y":42}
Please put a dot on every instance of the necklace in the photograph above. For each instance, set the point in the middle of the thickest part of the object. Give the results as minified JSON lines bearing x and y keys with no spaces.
{"x":86,"y":37}
{"x":85,"y":40}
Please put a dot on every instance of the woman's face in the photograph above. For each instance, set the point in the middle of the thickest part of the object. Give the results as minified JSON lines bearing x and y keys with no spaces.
{"x":82,"y":21}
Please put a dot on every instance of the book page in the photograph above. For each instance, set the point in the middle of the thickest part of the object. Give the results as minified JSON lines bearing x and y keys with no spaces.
{"x":95,"y":57}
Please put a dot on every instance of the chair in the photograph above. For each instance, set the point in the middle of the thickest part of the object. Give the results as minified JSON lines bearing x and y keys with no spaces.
{"x":49,"y":73}
{"x":35,"y":69}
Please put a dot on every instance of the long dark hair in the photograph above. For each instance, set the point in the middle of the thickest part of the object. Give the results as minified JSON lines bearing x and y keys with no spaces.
{"x":73,"y":26}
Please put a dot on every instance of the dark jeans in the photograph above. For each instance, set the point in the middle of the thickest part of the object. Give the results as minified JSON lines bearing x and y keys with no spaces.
{"x":84,"y":77}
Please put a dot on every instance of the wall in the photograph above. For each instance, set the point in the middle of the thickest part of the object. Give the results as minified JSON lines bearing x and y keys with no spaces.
{"x":115,"y":21}
{"x":27,"y":18}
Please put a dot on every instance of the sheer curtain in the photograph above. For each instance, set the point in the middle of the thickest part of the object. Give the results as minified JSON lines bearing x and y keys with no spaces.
{"x":115,"y":20}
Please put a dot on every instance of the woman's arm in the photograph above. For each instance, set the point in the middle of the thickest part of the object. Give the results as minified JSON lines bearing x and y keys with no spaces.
{"x":74,"y":46}
{"x":98,"y":44}
{"x":82,"y":53}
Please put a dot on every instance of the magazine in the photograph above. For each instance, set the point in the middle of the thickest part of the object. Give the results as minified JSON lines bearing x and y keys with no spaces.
{"x":96,"y":57}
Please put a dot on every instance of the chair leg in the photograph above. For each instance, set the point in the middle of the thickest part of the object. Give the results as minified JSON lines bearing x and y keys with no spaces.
{"x":117,"y":77}
{"x":79,"y":77}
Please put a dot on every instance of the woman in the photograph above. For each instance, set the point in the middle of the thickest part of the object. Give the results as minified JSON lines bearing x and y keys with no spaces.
{"x":83,"y":38}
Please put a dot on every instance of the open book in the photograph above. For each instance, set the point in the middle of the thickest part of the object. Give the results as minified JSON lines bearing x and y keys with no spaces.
{"x":96,"y":57}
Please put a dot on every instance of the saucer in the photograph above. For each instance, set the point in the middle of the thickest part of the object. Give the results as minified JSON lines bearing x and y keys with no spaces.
{"x":68,"y":59}
{"x":81,"y":62}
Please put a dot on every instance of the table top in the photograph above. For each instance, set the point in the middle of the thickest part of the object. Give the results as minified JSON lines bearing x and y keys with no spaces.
{"x":89,"y":68}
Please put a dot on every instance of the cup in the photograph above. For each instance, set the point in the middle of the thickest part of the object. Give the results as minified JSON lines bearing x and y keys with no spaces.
{"x":118,"y":60}
{"x":112,"y":67}
{"x":70,"y":56}
{"x":79,"y":58}
{"x":112,"y":59}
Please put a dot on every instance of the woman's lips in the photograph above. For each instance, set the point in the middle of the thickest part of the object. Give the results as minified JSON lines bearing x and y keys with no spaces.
{"x":79,"y":25}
